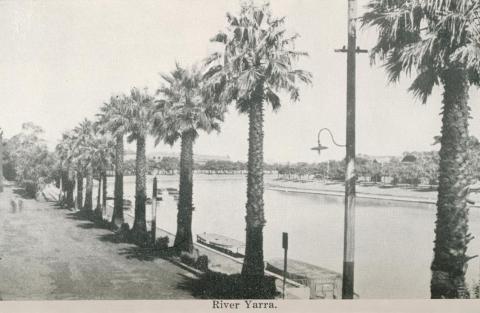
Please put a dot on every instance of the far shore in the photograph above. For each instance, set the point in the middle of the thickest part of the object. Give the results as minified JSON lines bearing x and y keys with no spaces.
{"x":419,"y":194}
{"x":422,"y":194}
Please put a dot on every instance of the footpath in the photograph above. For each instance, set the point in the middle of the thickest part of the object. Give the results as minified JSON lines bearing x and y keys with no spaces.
{"x":48,"y":253}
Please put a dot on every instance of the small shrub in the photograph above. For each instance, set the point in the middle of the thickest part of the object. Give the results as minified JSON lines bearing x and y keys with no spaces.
{"x":202,"y":263}
{"x":30,"y":188}
{"x":187,"y":258}
{"x":162,"y":243}
{"x":195,"y":260}
{"x":124,"y":232}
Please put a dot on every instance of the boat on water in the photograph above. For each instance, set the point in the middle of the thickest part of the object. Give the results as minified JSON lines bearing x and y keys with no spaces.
{"x":222,"y":243}
{"x":149,"y":200}
{"x":173,"y":192}
{"x":323,"y":283}
{"x":127,"y":204}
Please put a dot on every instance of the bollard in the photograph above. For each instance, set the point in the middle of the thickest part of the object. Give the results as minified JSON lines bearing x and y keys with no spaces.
{"x":285,"y":247}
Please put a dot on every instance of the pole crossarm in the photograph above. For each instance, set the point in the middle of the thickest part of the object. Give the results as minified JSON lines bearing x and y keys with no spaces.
{"x":345,"y":50}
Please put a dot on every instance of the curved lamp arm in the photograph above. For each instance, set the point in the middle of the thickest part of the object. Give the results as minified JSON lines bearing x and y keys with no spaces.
{"x":319,"y":147}
{"x":331,"y":136}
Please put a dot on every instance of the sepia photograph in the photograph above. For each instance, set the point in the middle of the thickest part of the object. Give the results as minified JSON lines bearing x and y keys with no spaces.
{"x":239,"y":154}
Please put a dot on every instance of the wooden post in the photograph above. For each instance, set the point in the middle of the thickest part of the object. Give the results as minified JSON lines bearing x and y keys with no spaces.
{"x":154,"y":210}
{"x":285,"y":248}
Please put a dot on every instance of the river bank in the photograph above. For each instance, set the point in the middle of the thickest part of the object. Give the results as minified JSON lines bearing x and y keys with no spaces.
{"x":421,"y":194}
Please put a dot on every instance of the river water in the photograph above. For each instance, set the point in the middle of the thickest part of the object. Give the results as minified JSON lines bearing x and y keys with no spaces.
{"x":394,"y":240}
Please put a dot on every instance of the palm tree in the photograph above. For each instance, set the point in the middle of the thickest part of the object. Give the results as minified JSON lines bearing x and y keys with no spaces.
{"x":113,"y":119}
{"x":180,"y":114}
{"x":84,"y":154}
{"x":139,"y":114}
{"x":436,"y":40}
{"x":77,"y":168}
{"x":64,"y":150}
{"x":257,"y":62}
{"x":102,"y":159}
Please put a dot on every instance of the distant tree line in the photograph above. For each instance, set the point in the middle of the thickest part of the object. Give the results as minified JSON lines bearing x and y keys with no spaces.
{"x":413,"y":168}
{"x":171,"y":166}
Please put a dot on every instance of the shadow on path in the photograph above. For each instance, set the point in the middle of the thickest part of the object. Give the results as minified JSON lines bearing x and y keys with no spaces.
{"x":140,"y":251}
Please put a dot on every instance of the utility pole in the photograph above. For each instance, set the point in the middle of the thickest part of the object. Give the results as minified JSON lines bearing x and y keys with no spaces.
{"x":350,"y":176}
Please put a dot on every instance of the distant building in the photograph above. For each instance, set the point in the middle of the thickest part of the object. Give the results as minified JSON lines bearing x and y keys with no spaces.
{"x":380,"y":159}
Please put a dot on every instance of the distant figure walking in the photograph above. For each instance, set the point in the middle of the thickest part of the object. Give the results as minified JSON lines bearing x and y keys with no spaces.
{"x":13,"y":206}
{"x":20,"y":205}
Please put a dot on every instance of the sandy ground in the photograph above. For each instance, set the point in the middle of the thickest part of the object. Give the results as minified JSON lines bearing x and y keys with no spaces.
{"x":48,"y":253}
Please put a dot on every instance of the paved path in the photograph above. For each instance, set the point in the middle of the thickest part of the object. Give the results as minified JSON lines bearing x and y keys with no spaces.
{"x":48,"y":253}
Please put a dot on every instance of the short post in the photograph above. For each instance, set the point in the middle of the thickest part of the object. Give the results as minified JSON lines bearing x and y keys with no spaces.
{"x":285,"y":248}
{"x":154,"y":210}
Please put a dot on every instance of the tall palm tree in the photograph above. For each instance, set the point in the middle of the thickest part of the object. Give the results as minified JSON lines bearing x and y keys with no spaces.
{"x":434,"y":39}
{"x":139,"y":114}
{"x":180,"y":113}
{"x":113,"y":119}
{"x":257,"y":62}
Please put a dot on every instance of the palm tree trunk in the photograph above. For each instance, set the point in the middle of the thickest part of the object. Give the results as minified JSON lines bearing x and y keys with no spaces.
{"x":451,"y":232}
{"x":60,"y":186}
{"x":79,"y":190}
{"x":69,"y":187}
{"x":104,"y":193}
{"x":183,"y":238}
{"x":89,"y":189}
{"x":117,"y":216}
{"x":253,"y":266}
{"x":140,"y":225}
{"x":99,"y":194}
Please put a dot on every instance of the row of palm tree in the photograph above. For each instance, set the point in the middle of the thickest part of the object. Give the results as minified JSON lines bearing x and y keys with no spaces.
{"x":83,"y":152}
{"x":256,"y":62}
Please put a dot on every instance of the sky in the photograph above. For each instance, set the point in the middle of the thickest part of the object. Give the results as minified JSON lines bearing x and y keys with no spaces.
{"x":61,"y":60}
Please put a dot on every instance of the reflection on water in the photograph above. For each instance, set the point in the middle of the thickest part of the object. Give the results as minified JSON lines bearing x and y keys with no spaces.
{"x":394,"y":240}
